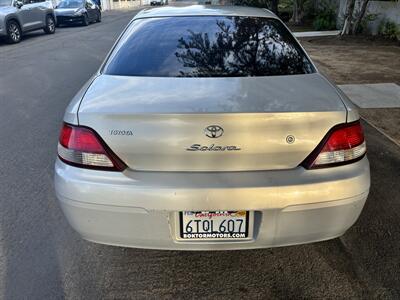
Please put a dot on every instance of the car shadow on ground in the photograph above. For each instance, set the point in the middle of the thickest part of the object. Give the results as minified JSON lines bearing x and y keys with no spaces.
{"x":33,"y":35}
{"x":26,"y":37}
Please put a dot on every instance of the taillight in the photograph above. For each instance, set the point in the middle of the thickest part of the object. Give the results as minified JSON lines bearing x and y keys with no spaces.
{"x":82,"y":147}
{"x":343,"y":144}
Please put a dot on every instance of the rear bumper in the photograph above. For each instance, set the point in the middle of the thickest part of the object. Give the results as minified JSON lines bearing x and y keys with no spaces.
{"x":139,"y":209}
{"x":69,"y":19}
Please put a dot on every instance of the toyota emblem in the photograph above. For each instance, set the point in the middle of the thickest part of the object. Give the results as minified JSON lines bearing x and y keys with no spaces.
{"x":214,"y":131}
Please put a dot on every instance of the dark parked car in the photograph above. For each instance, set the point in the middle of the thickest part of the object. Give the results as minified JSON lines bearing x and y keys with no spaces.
{"x":158,"y":2}
{"x":77,"y":11}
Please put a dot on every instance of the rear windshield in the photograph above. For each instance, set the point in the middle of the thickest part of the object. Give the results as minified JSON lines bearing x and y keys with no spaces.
{"x":208,"y":46}
{"x":70,"y":4}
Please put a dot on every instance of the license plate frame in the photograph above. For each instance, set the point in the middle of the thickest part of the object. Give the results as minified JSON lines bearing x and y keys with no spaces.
{"x":216,"y":236}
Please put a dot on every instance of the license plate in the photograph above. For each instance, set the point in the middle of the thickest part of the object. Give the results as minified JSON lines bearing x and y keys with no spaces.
{"x":214,"y":225}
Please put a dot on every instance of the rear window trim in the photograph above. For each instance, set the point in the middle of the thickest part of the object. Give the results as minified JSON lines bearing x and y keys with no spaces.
{"x":123,"y":33}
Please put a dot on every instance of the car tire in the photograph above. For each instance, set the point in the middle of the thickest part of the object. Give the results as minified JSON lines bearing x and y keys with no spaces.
{"x":85,"y":21}
{"x":98,"y":18}
{"x":14,"y":33}
{"x":50,"y":25}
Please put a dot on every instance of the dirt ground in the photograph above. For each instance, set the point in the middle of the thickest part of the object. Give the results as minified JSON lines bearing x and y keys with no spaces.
{"x":360,"y":60}
{"x":386,"y":119}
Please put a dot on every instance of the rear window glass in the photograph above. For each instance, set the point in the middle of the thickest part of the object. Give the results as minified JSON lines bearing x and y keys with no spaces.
{"x":215,"y":46}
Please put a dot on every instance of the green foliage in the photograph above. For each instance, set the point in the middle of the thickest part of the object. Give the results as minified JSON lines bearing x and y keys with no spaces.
{"x":285,"y":5}
{"x":310,"y":11}
{"x":325,"y":19}
{"x":389,"y":30}
{"x":363,"y":27}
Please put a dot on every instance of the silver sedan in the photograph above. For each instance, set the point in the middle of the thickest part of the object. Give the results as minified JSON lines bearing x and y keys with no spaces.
{"x":209,"y":128}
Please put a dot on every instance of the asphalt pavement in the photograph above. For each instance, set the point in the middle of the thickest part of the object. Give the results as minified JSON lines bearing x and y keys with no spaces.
{"x":41,"y":257}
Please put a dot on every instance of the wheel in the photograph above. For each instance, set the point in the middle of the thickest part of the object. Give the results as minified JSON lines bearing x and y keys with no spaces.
{"x":14,"y":33}
{"x":99,"y":17}
{"x":85,"y":21}
{"x":50,"y":25}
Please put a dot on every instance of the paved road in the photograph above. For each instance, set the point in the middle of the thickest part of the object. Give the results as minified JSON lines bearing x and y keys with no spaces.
{"x":42,"y":258}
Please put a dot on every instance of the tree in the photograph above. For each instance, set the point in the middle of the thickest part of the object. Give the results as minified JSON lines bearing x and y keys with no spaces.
{"x":353,"y":16}
{"x":298,"y":12}
{"x":239,"y":47}
{"x":360,"y":16}
{"x":348,"y":15}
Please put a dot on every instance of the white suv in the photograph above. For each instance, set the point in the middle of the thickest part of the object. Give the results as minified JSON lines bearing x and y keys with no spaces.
{"x":18,"y":17}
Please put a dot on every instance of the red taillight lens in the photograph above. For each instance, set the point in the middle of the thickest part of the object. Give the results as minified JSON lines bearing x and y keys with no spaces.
{"x":343,"y":144}
{"x":82,"y":147}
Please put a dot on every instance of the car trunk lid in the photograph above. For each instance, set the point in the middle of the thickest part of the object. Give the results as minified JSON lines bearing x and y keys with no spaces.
{"x":167,"y":124}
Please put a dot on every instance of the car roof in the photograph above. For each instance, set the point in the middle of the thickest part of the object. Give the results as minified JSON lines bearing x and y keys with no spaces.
{"x":204,"y":10}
